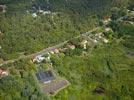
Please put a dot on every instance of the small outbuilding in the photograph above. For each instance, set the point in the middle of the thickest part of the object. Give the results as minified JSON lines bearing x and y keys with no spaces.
{"x":3,"y":73}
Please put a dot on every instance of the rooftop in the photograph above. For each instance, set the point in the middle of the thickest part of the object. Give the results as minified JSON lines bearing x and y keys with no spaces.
{"x":3,"y":73}
{"x":52,"y":89}
{"x":2,"y":8}
{"x":71,"y":46}
{"x":45,"y":76}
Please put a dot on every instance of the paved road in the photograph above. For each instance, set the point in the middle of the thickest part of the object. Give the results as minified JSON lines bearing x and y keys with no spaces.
{"x":46,"y":49}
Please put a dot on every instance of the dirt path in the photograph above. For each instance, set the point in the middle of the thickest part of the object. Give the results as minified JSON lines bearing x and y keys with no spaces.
{"x":46,"y":49}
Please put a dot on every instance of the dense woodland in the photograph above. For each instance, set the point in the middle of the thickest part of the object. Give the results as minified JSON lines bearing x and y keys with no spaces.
{"x":109,"y":66}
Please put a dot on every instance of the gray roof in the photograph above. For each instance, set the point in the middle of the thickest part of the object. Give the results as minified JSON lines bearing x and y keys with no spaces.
{"x":45,"y":76}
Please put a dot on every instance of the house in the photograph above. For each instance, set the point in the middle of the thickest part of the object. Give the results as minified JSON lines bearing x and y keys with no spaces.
{"x":99,"y":90}
{"x":38,"y":58}
{"x":105,"y":40}
{"x":63,"y":49}
{"x":34,"y":15}
{"x":3,"y":73}
{"x":51,"y":52}
{"x":56,"y":51}
{"x":71,"y":46}
{"x":128,"y":10}
{"x":106,"y":19}
{"x":45,"y":76}
{"x":95,"y":41}
{"x":40,"y":11}
{"x":2,"y":8}
{"x":107,"y":29}
{"x":84,"y":44}
{"x":130,"y":22}
{"x":46,"y":12}
{"x":99,"y":35}
{"x":27,"y":11}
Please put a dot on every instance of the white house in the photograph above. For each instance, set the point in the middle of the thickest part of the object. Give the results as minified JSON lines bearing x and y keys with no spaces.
{"x":56,"y":51}
{"x":34,"y":15}
{"x":3,"y":73}
{"x":105,"y":40}
{"x":3,"y":8}
{"x":95,"y":41}
{"x":52,"y":52}
{"x":40,"y":11}
{"x":106,"y":20}
{"x":71,"y":47}
{"x":99,"y":35}
{"x":46,"y":12}
{"x":107,"y":29}
{"x":38,"y":58}
{"x":84,"y":43}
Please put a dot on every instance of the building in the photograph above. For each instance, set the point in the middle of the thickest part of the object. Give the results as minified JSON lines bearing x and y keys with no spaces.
{"x":99,"y":35}
{"x":106,"y":19}
{"x":3,"y":73}
{"x":2,"y":8}
{"x":38,"y":59}
{"x":71,"y":47}
{"x":56,"y":51}
{"x":84,"y":44}
{"x":45,"y":76}
{"x":47,"y":57}
{"x":95,"y":41}
{"x":105,"y":40}
{"x":63,"y":49}
{"x":107,"y":29}
{"x":51,"y":52}
{"x":46,"y":12}
{"x":40,"y":11}
{"x":34,"y":15}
